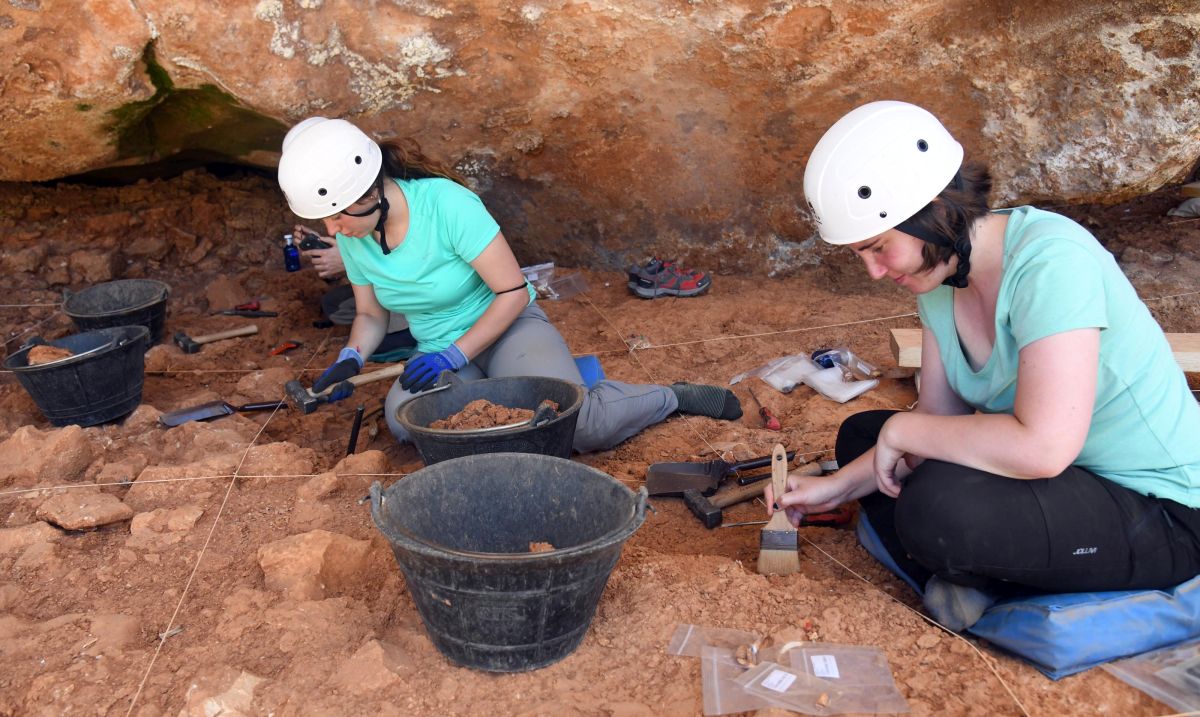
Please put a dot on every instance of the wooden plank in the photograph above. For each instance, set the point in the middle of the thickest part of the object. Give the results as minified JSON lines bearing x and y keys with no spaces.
{"x":906,"y":348}
{"x":1186,"y":348}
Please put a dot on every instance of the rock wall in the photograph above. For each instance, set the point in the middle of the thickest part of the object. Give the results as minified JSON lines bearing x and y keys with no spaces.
{"x":601,"y":130}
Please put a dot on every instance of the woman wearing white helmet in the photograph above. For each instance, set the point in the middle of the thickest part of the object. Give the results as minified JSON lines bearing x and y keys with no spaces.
{"x":415,"y":241}
{"x":1054,"y":447}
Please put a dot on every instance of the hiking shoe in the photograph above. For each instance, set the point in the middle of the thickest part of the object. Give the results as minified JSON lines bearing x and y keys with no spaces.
{"x":956,"y":607}
{"x":666,"y":278}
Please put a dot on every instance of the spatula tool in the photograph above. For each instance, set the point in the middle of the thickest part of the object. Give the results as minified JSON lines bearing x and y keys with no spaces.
{"x":214,"y":409}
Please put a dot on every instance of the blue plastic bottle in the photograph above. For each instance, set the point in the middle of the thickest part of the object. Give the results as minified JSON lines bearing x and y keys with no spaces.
{"x":291,"y":255}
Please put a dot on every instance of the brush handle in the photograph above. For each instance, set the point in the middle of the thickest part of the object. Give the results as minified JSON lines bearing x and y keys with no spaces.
{"x":779,"y":473}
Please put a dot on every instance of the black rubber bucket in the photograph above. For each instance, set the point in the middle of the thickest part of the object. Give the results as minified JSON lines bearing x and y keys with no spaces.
{"x":101,"y":383}
{"x":462,"y":531}
{"x":552,"y":438}
{"x":125,"y":302}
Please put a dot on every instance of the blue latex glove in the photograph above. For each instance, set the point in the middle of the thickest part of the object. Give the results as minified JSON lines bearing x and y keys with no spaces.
{"x":421,"y":372}
{"x":349,"y":363}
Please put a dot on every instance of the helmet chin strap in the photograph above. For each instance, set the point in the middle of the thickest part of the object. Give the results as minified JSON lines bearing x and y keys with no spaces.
{"x":381,"y":225}
{"x":961,"y":245}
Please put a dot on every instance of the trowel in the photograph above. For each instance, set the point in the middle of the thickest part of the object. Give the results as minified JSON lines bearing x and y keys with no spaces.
{"x":214,"y":409}
{"x":675,"y":478}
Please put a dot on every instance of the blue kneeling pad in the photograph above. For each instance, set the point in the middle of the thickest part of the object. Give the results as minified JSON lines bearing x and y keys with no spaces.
{"x":1064,"y":634}
{"x":590,"y":369}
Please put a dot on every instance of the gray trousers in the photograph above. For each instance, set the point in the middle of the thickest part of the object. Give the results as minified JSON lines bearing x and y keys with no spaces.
{"x":612,"y":411}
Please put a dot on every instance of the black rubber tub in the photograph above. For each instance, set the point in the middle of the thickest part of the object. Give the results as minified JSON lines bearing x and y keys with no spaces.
{"x":552,"y":438}
{"x":125,"y":302}
{"x":101,"y":382}
{"x":463,"y":532}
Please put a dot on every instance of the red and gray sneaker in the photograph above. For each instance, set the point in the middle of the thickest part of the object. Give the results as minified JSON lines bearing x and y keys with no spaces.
{"x":666,"y":278}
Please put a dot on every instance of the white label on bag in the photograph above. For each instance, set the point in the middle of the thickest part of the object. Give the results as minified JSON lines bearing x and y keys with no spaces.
{"x":778,"y":680}
{"x":825,"y":666}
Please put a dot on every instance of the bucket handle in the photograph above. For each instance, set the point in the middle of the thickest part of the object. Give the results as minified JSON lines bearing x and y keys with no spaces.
{"x":641,"y":501}
{"x":376,"y":493}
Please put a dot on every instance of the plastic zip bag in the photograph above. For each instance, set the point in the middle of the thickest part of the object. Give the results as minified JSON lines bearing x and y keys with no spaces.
{"x":784,"y":373}
{"x":830,"y":383}
{"x":828,"y":679}
{"x":788,"y":687}
{"x":690,"y":640}
{"x":719,"y":672}
{"x":1170,"y":675}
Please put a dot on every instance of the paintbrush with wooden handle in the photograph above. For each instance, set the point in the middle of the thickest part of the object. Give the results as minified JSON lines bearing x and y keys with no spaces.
{"x":778,"y":553}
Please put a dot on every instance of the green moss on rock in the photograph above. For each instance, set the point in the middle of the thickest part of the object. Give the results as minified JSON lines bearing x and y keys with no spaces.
{"x":204,"y":119}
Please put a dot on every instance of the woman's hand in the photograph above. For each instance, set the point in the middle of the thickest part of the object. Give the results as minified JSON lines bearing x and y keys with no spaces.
{"x":809,"y":494}
{"x":891,"y":464}
{"x":327,"y":262}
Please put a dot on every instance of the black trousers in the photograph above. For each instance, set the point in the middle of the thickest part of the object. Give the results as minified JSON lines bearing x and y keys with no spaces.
{"x":1076,"y":532}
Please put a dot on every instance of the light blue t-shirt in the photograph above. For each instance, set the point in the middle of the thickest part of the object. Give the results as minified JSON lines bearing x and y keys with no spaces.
{"x":428,"y":277}
{"x":1145,"y":430}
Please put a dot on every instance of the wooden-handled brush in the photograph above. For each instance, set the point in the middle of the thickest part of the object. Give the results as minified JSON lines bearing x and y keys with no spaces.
{"x":778,"y":553}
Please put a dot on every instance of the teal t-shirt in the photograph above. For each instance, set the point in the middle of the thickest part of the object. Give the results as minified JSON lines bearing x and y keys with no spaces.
{"x":1145,"y":430}
{"x":429,"y":278}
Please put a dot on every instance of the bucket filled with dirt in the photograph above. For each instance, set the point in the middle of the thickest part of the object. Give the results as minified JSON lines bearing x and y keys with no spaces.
{"x":506,"y":555}
{"x":125,"y":302}
{"x":519,"y":414}
{"x":87,"y":378}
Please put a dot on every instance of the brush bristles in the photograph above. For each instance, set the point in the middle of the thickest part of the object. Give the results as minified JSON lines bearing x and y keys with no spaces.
{"x":778,"y":553}
{"x":778,"y":562}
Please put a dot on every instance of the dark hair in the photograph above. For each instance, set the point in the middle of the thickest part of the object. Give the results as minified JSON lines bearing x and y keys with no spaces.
{"x":403,"y":159}
{"x":952,"y":213}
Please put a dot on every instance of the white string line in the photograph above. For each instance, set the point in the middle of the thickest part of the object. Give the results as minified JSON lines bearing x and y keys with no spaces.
{"x":736,"y":337}
{"x":204,"y":548}
{"x":186,"y":479}
{"x":986,"y":660}
{"x":28,"y":306}
{"x":687,"y":421}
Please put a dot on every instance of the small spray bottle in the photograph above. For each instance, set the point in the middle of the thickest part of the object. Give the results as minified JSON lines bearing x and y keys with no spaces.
{"x":291,"y":255}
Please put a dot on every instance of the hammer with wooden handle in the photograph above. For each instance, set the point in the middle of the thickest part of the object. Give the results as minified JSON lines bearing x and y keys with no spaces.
{"x":192,"y":345}
{"x":305,"y":401}
{"x":708,"y":509}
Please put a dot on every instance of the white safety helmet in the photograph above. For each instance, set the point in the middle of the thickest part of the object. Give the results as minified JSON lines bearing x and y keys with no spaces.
{"x":876,"y":167}
{"x":326,"y":165}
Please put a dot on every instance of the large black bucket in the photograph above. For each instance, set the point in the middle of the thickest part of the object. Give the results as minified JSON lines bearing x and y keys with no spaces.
{"x":125,"y":302}
{"x":462,"y":530}
{"x":102,"y":382}
{"x":552,"y":438}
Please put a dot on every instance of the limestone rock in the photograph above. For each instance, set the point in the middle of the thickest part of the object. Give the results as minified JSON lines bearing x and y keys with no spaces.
{"x":57,"y":455}
{"x":357,"y":471}
{"x":532,"y":102}
{"x":278,"y":459}
{"x":93,"y":267}
{"x":374,"y":666}
{"x":227,"y":693}
{"x":317,"y":487}
{"x":160,"y":528}
{"x":173,"y":486}
{"x":13,"y":540}
{"x":79,"y":510}
{"x":265,"y":385}
{"x":314,"y":565}
{"x":121,"y":472}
